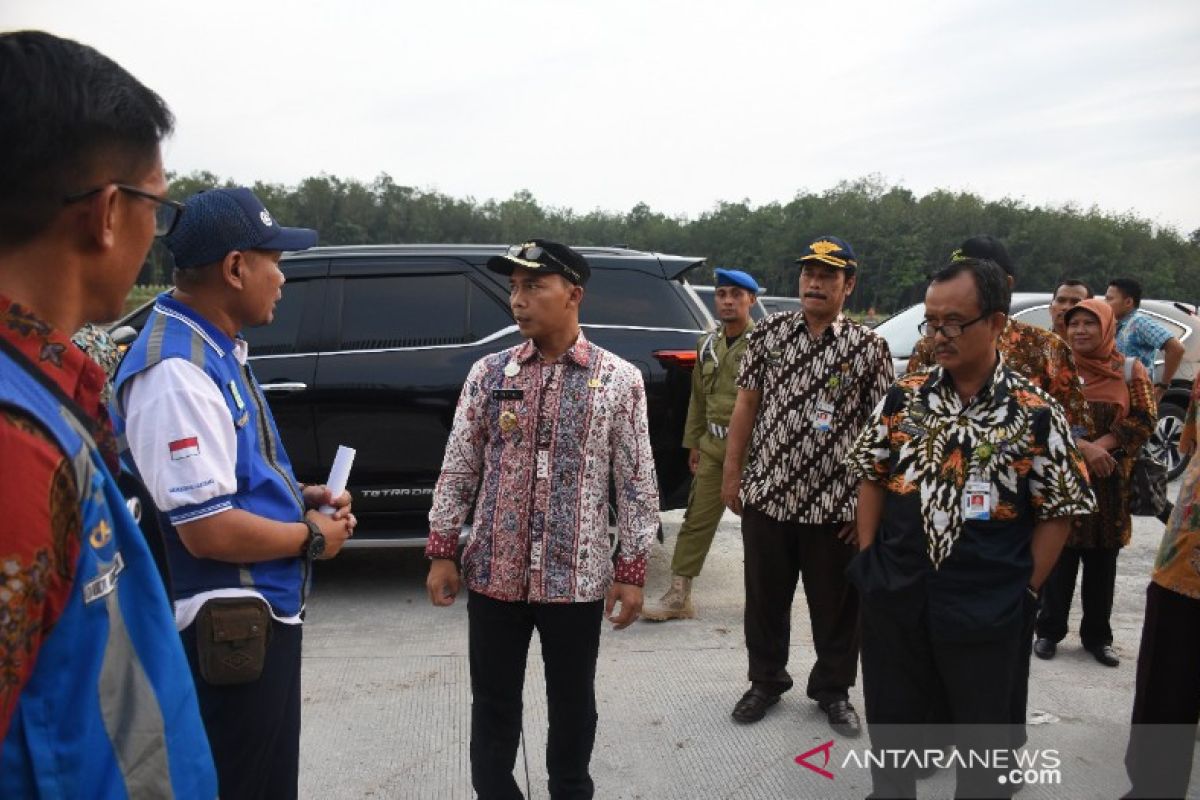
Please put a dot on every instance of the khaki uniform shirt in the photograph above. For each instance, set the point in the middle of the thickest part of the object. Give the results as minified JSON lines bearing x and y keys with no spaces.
{"x":714,"y":383}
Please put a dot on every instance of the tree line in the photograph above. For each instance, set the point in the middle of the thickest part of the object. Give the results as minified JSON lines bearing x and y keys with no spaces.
{"x":899,"y":237}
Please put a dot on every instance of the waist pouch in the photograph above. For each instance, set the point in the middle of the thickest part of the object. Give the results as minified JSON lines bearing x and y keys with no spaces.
{"x":232,"y":634}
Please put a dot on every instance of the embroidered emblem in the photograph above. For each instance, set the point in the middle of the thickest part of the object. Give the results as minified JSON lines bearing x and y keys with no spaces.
{"x":508,"y":421}
{"x":266,"y":218}
{"x":100,"y":535}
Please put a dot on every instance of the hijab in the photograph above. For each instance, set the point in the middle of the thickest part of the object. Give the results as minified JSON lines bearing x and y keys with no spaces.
{"x":1103,"y":370}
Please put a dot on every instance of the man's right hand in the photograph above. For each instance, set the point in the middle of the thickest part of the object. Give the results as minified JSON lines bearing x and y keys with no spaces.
{"x":443,"y":582}
{"x":336,"y":531}
{"x":731,"y":490}
{"x":1099,"y":461}
{"x":694,"y":460}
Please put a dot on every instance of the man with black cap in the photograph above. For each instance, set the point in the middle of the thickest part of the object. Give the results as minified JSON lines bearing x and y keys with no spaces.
{"x":539,"y":431}
{"x":1044,"y":360}
{"x":808,"y":382}
{"x":714,"y":389}
{"x":241,"y":533}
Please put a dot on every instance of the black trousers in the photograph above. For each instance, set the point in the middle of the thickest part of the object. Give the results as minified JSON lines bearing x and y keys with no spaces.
{"x":1166,"y":702}
{"x":777,"y":555}
{"x":499,"y":634}
{"x":254,"y":728}
{"x":1096,"y":595}
{"x":907,"y":674}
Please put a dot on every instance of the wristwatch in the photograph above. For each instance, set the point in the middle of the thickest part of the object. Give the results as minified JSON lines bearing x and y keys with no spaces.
{"x":314,"y":544}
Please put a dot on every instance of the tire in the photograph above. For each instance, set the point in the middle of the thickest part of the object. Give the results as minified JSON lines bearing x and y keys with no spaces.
{"x":1164,"y":442}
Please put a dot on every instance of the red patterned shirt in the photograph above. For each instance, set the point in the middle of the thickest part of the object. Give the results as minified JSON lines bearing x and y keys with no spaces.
{"x":40,"y":537}
{"x":533,"y":447}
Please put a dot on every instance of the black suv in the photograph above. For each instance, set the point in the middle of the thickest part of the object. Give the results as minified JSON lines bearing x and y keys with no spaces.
{"x":371,"y":344}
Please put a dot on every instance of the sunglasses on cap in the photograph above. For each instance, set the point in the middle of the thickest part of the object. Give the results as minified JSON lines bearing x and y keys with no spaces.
{"x":535,"y":253}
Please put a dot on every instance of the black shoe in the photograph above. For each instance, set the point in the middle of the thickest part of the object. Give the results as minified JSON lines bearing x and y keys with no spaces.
{"x":842,"y":718}
{"x":1044,"y":648}
{"x":753,"y":705}
{"x":1105,"y":654}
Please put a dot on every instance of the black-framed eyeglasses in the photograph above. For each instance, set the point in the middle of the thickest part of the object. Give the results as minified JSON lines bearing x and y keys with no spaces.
{"x":951,"y":330}
{"x":166,"y":215}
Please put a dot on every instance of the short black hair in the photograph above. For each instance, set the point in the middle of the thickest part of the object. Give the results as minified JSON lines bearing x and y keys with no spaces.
{"x":991,"y":282}
{"x":1073,"y":282}
{"x":67,"y":110}
{"x":1130,"y":288}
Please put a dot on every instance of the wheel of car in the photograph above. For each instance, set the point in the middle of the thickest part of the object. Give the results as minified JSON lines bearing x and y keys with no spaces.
{"x":1164,"y":442}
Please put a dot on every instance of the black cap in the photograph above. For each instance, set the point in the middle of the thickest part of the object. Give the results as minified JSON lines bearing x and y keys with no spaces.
{"x":985,"y":247}
{"x":543,"y":255}
{"x":829,"y":250}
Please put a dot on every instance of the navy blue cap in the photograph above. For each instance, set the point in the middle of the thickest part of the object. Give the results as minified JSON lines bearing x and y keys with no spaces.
{"x":218,"y":221}
{"x":829,"y":250}
{"x":543,"y":255}
{"x":735,"y":277}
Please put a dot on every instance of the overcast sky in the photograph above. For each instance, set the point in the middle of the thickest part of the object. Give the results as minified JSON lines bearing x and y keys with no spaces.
{"x":675,"y":104}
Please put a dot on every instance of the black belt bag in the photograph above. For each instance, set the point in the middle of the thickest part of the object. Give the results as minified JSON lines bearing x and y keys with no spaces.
{"x":232,"y":634}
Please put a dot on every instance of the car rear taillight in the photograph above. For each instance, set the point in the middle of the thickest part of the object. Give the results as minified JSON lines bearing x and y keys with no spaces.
{"x":676,"y":358}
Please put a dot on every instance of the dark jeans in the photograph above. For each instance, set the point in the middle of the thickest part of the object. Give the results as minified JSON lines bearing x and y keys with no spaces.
{"x":1166,"y":702}
{"x":499,"y":634}
{"x":777,"y":555}
{"x":254,"y":728}
{"x":1096,"y":595}
{"x":906,"y":674}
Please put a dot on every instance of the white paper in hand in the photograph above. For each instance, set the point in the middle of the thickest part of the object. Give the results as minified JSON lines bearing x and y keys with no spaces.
{"x":339,"y":474}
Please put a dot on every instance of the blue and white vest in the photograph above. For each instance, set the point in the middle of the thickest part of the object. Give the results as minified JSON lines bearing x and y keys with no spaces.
{"x":266,"y":485}
{"x":110,"y":710}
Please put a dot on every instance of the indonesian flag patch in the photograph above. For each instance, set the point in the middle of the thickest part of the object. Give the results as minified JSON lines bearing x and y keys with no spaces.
{"x":184,"y":448}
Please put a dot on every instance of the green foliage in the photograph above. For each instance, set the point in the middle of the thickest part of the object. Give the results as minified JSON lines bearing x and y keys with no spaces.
{"x":899,"y":237}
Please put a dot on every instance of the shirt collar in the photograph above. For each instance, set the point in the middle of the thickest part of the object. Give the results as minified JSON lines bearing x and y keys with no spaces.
{"x":835,"y":328}
{"x":993,"y":393}
{"x":56,"y":355}
{"x":579,"y":353}
{"x":216,"y":338}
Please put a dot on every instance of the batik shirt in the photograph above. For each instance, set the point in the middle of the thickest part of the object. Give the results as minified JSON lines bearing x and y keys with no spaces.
{"x":1012,"y":444}
{"x":816,"y":395}
{"x":1141,"y":337}
{"x":1042,"y":358}
{"x":1177,"y":566}
{"x":533,"y":447}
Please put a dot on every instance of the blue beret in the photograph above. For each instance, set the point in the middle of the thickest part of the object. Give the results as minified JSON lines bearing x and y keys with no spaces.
{"x":735,"y":277}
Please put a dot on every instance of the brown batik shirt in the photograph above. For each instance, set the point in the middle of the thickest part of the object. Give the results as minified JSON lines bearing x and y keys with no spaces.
{"x":816,"y":396}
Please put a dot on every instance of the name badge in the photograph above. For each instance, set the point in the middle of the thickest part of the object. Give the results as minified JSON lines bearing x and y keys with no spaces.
{"x":543,"y":464}
{"x":823,"y":417}
{"x":103,"y":584}
{"x":508,"y":394}
{"x":977,"y":500}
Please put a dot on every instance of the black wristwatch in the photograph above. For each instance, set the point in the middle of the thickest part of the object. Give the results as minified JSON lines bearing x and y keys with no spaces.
{"x":314,"y":544}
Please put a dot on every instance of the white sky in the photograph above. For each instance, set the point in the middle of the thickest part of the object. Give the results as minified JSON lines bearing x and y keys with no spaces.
{"x":602,"y":104}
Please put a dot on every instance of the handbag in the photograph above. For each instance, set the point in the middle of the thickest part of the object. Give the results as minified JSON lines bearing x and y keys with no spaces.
{"x":1148,"y":481}
{"x":232,"y":635}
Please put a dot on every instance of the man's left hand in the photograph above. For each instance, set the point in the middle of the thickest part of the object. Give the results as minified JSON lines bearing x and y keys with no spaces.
{"x":317,"y":495}
{"x":849,"y":533}
{"x":630,"y":598}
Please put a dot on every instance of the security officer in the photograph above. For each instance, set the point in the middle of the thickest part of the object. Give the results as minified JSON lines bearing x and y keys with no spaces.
{"x":714,"y":390}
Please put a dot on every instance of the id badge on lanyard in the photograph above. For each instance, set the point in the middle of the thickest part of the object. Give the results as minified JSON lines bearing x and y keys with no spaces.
{"x":823,"y":417}
{"x":977,"y":499}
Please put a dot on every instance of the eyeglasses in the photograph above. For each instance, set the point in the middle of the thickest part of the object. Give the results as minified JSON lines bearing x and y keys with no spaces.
{"x":951,"y":330}
{"x":166,"y":215}
{"x":534,"y":252}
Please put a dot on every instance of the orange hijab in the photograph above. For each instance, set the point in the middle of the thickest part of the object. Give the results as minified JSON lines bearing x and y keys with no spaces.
{"x":1103,"y":371}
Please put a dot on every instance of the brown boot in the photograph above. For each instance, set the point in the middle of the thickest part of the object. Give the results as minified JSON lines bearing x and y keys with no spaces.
{"x":675,"y":604}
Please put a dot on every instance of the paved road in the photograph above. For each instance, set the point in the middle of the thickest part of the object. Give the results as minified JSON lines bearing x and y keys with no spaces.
{"x":386,"y":694}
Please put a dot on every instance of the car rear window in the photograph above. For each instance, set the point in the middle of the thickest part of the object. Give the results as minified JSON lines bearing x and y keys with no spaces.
{"x":627,"y":297}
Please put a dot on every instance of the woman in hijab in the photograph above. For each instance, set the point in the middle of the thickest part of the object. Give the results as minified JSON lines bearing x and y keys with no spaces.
{"x":1124,"y":415}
